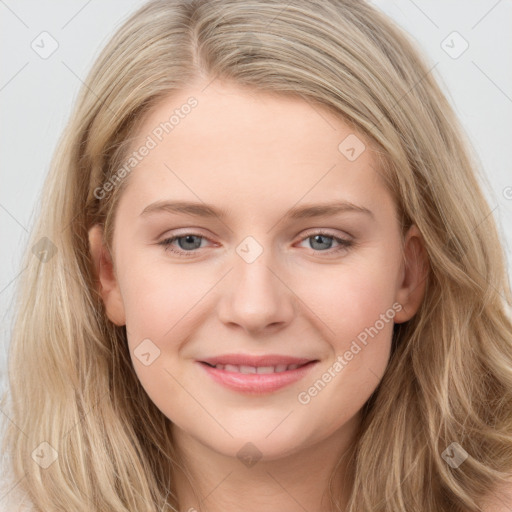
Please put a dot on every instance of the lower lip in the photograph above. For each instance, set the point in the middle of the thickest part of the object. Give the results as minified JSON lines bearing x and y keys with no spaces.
{"x":257,"y":383}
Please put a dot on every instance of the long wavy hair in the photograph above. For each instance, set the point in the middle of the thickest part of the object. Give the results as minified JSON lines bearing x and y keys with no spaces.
{"x":449,"y":379}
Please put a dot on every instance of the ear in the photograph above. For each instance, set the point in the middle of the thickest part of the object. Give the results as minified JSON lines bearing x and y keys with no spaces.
{"x":413,"y":276}
{"x":106,"y":279}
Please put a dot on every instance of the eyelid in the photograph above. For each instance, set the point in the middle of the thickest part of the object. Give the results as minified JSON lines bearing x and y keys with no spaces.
{"x":326,"y":232}
{"x":180,"y":233}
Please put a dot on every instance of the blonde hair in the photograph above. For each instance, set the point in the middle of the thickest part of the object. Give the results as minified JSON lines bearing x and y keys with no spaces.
{"x":449,"y":379}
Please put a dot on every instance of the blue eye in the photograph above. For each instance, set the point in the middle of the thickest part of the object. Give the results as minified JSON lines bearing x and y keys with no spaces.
{"x":322,"y":238}
{"x":190,"y":242}
{"x":188,"y":246}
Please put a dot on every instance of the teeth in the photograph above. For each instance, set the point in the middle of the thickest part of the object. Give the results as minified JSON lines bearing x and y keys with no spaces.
{"x":259,"y":369}
{"x":247,"y":369}
{"x":265,"y":369}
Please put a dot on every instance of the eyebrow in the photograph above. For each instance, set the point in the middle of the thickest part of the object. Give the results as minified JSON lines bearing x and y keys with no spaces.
{"x":297,"y":212}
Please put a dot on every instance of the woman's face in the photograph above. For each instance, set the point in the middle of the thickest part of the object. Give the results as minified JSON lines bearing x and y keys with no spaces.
{"x":287,"y":246}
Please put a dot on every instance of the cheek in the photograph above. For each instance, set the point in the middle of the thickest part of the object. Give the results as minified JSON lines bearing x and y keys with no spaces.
{"x":358,"y":317}
{"x":164,"y":304}
{"x":158,"y":319}
{"x":359,"y":353}
{"x":156,"y":296}
{"x":349,"y":297}
{"x":356,"y":306}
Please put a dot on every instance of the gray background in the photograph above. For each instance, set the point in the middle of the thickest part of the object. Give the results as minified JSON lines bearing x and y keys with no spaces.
{"x":36,"y":95}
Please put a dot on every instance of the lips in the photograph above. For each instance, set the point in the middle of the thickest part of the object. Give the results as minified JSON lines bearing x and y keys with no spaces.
{"x":256,"y":374}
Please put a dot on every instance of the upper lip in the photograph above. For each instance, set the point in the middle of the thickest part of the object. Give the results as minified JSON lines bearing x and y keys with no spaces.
{"x":256,"y":361}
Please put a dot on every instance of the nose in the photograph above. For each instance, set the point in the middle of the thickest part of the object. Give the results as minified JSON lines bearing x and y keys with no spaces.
{"x":256,"y":298}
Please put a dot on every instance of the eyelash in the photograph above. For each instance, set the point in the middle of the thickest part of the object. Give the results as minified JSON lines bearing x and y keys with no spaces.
{"x":344,"y":244}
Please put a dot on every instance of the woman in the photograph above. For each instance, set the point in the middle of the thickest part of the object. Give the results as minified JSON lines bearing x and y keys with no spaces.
{"x":258,"y":369}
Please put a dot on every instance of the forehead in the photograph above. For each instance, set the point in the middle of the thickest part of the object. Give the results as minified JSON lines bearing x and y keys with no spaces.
{"x":230,"y":144}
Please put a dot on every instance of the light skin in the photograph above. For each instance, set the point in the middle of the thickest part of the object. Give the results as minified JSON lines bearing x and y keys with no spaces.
{"x":257,"y":155}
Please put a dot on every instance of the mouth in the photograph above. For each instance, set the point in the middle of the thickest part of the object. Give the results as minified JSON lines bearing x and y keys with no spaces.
{"x":248,"y":370}
{"x":257,"y":378}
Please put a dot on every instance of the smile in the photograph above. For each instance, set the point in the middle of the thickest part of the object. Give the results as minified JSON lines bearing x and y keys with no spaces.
{"x":256,"y":379}
{"x":256,"y":369}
